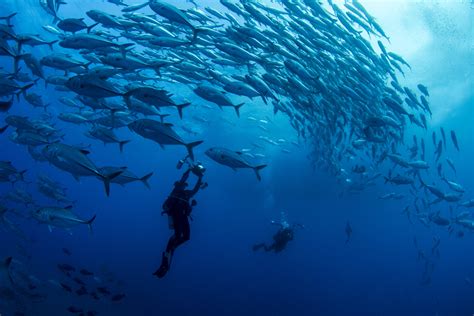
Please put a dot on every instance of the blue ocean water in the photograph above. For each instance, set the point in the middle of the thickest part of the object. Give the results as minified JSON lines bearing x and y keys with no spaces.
{"x":216,"y":273}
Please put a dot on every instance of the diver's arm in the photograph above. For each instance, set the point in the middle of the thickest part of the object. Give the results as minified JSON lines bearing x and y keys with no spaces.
{"x":185,"y":175}
{"x":197,"y":186}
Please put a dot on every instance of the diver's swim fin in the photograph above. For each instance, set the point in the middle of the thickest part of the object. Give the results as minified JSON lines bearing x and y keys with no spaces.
{"x":163,"y":269}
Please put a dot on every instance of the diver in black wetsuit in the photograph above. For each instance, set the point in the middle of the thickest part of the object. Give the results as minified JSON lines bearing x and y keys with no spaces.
{"x":282,"y":237}
{"x":178,"y":207}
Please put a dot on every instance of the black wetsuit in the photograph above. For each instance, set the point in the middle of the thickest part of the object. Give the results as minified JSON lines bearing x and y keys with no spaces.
{"x":178,"y":207}
{"x":280,"y":240}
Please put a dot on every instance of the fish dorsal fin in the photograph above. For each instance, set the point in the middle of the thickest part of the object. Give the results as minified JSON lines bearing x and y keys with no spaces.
{"x":85,"y":152}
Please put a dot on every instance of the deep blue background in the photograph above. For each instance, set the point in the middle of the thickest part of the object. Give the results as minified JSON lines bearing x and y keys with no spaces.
{"x":216,"y":273}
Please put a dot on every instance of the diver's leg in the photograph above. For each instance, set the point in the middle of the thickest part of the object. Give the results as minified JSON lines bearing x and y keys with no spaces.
{"x":186,"y":230}
{"x":182,"y":232}
{"x":165,"y":259}
{"x":179,"y":231}
{"x":269,"y":248}
{"x":173,"y":242}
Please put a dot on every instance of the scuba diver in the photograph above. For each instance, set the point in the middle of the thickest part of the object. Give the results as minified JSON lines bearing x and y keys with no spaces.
{"x":178,"y":208}
{"x":280,"y":240}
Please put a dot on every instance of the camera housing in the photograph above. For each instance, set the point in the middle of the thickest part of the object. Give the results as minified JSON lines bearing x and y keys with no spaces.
{"x":198,"y":169}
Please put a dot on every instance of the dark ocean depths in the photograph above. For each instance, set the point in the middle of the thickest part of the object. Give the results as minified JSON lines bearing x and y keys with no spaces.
{"x":216,"y":273}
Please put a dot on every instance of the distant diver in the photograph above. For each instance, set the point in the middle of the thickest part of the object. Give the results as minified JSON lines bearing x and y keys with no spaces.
{"x":280,"y":240}
{"x":178,"y":207}
{"x":348,"y":231}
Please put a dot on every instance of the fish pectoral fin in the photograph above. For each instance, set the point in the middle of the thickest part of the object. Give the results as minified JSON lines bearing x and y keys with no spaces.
{"x":88,"y":168}
{"x":61,"y":159}
{"x":76,"y":220}
{"x":50,"y":228}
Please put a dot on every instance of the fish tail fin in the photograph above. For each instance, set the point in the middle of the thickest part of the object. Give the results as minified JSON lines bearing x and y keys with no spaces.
{"x":123,"y":143}
{"x":50,"y":44}
{"x":16,"y":61}
{"x":237,"y":108}
{"x":89,"y":28}
{"x":422,"y":183}
{"x":89,"y":223}
{"x":180,"y":108}
{"x":145,"y":179}
{"x":21,"y":175}
{"x":3,"y":129}
{"x":124,"y":48}
{"x":107,"y":178}
{"x":23,"y":90}
{"x":386,"y":180}
{"x":196,"y":31}
{"x":162,"y":117}
{"x":190,"y":147}
{"x":8,"y":18}
{"x":257,"y":171}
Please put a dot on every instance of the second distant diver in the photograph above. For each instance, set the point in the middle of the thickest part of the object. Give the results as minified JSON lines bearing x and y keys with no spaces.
{"x":178,"y":207}
{"x":282,"y":237}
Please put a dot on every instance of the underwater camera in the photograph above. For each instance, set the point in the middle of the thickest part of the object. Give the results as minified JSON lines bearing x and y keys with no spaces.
{"x":198,"y":169}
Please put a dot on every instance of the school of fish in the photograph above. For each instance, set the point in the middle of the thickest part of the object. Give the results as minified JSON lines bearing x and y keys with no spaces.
{"x":326,"y":67}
